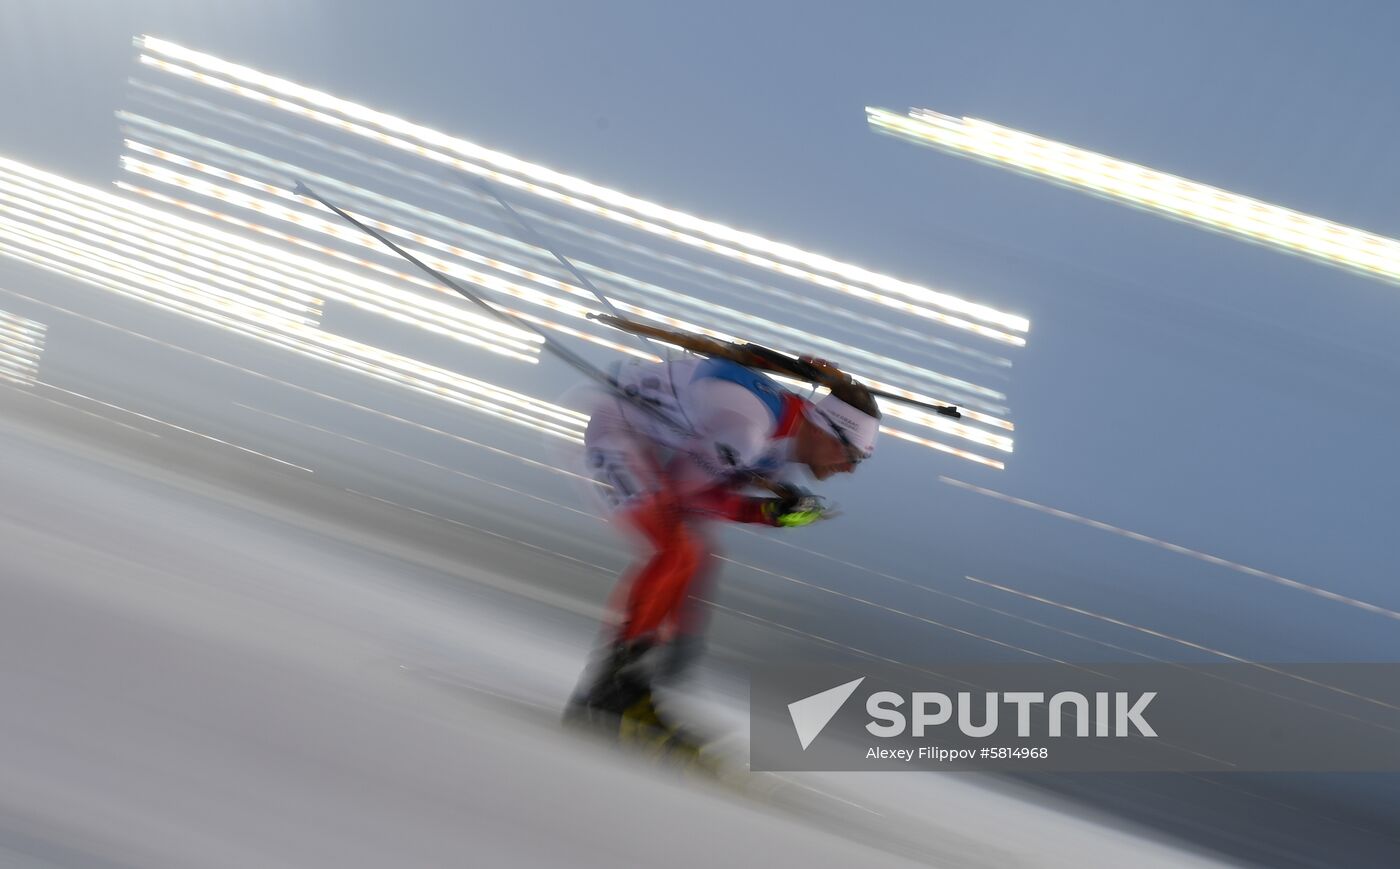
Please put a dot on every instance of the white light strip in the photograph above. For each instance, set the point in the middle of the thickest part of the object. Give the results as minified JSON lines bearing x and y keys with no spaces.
{"x":150,"y":285}
{"x":791,"y":336}
{"x":171,"y":257}
{"x":117,"y":237}
{"x":314,"y":343}
{"x":271,"y":209}
{"x":341,"y":287}
{"x":208,"y":244}
{"x":727,"y":282}
{"x":1282,"y":581}
{"x":381,"y":364}
{"x":21,"y":345}
{"x":367,"y":264}
{"x":177,"y":427}
{"x":423,"y":378}
{"x":152,"y":171}
{"x":48,"y":189}
{"x":504,"y":163}
{"x":224,"y":363}
{"x":1189,"y":200}
{"x":944,"y":424}
{"x":704,"y":227}
{"x":350,"y":235}
{"x":491,"y":329}
{"x":925,"y":442}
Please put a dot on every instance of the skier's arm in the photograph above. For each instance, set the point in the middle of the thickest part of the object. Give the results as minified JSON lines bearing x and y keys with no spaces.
{"x":788,"y":509}
{"x":734,"y":429}
{"x":724,"y":502}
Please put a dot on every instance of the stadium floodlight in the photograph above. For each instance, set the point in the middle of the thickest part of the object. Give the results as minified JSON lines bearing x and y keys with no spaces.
{"x":1178,"y":197}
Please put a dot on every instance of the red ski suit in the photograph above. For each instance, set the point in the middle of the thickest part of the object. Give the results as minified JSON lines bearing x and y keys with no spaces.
{"x":665,"y":484}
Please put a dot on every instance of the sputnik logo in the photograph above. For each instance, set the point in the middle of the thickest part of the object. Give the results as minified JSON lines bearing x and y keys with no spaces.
{"x":811,"y":715}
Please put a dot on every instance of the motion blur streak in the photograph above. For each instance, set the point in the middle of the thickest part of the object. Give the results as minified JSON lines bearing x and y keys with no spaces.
{"x":1177,"y":640}
{"x":583,"y":188}
{"x":434,"y":465}
{"x":1048,"y":627}
{"x":1182,"y":550}
{"x":1208,"y":206}
{"x":689,"y":272}
{"x":338,"y":230}
{"x":303,"y":389}
{"x":21,"y":345}
{"x":891,"y":610}
{"x":981,"y":460}
{"x":173,"y":142}
{"x":598,"y":210}
{"x":121,"y":260}
{"x":153,"y":419}
{"x":342,"y":352}
{"x":519,"y":291}
{"x":373,"y":266}
{"x":71,"y":409}
{"x":119,"y":218}
{"x":136,"y":245}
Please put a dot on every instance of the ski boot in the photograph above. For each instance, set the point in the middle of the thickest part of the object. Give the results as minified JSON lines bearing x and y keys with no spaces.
{"x":619,"y":681}
{"x":619,"y":705}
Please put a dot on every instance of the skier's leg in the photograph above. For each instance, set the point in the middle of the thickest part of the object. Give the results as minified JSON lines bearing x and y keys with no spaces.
{"x":631,"y":492}
{"x":659,"y":588}
{"x":650,"y":599}
{"x":686,"y":626}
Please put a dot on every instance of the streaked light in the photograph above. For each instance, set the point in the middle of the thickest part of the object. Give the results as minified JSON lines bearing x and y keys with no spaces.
{"x":1179,"y":641}
{"x":944,"y":424}
{"x":891,"y":610}
{"x":224,"y":363}
{"x":353,"y":356}
{"x":1181,"y":550}
{"x":143,"y":283}
{"x":434,"y":465}
{"x":981,"y":410}
{"x":72,"y":409}
{"x":140,"y":223}
{"x":748,"y":247}
{"x":271,"y":209}
{"x":944,"y":448}
{"x":757,"y":327}
{"x":125,"y":268}
{"x":718,"y":280}
{"x":370,"y":265}
{"x":1189,"y":200}
{"x":21,"y":345}
{"x":351,"y":235}
{"x":168,"y":424}
{"x":173,"y":258}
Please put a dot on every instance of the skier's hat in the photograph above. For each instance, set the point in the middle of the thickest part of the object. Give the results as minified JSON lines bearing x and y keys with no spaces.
{"x":850,"y":415}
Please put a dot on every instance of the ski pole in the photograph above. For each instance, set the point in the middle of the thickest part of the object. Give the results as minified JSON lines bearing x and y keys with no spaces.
{"x":553,"y":346}
{"x":534,"y":237}
{"x":559,"y":350}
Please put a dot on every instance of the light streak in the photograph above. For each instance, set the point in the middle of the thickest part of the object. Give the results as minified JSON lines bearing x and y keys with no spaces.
{"x":482,"y":279}
{"x":21,"y":345}
{"x":1178,"y":197}
{"x":580,"y":194}
{"x":1181,"y":550}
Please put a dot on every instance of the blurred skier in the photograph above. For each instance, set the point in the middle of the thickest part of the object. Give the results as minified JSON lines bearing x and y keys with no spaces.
{"x":717,"y":429}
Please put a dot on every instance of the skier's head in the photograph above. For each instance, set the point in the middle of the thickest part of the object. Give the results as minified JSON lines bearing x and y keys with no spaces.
{"x":839,"y":431}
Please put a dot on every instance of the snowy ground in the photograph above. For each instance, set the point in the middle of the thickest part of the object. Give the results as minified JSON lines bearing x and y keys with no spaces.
{"x":226,"y":669}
